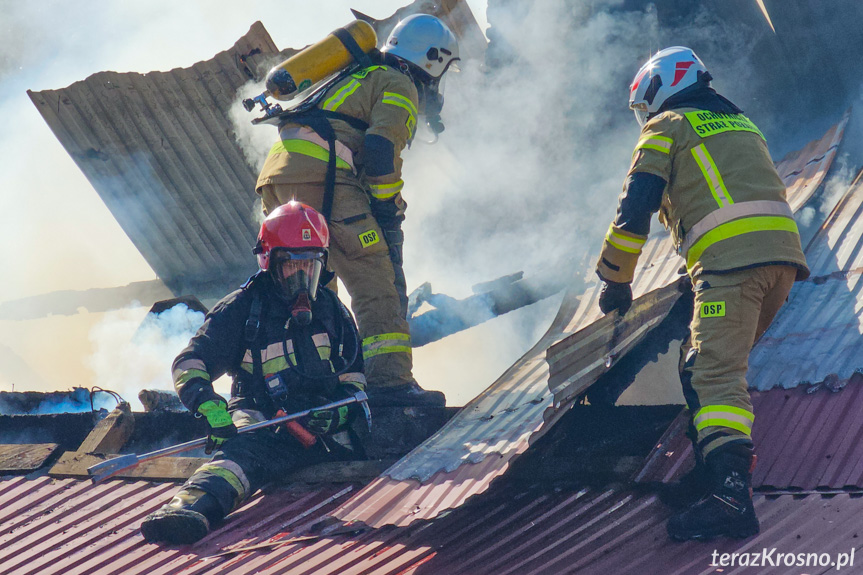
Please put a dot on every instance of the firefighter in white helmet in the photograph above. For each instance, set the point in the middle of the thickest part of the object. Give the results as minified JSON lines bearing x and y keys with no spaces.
{"x":705,"y":168}
{"x":373,"y":115}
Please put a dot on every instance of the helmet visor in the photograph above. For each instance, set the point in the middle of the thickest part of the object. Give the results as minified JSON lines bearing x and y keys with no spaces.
{"x":297,"y":271}
{"x":640,"y":113}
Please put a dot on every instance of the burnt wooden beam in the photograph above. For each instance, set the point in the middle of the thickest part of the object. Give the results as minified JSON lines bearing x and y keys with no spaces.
{"x":111,"y":433}
{"x":23,"y":458}
{"x":179,"y":469}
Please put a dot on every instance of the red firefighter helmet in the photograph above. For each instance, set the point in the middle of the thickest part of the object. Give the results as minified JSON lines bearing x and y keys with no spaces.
{"x":292,"y":248}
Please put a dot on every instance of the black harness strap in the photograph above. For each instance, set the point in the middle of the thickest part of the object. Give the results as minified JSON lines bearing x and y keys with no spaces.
{"x":351,"y":45}
{"x":319,"y":121}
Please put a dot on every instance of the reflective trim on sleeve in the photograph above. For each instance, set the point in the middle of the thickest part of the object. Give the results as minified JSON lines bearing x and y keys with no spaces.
{"x":625,"y":242}
{"x":739,"y":210}
{"x":386,"y":343}
{"x":659,"y":143}
{"x":354,"y":377}
{"x":190,"y":374}
{"x":712,"y":175}
{"x":386,"y":191}
{"x":333,"y":102}
{"x":398,"y":100}
{"x":230,"y":472}
{"x":737,"y":228}
{"x":724,"y":416}
{"x":309,"y":149}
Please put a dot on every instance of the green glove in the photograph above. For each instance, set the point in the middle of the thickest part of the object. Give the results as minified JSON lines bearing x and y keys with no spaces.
{"x":221,"y":425}
{"x":329,"y":421}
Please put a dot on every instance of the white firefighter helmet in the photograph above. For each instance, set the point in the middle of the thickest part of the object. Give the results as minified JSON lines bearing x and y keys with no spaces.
{"x":668,"y":72}
{"x":425,"y":42}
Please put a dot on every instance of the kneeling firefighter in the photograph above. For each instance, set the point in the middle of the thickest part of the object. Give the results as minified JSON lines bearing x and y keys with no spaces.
{"x":706,"y":169}
{"x":343,"y":156}
{"x":289,"y":345}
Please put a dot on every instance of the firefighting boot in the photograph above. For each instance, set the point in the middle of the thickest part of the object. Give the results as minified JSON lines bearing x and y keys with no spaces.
{"x":185,"y":519}
{"x":727,"y":508}
{"x":692,"y":486}
{"x":405,"y":395}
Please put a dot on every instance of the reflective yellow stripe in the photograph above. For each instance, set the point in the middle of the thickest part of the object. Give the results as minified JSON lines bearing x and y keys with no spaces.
{"x":737,"y":228}
{"x":307,"y":149}
{"x":711,"y":123}
{"x":659,"y":143}
{"x":189,"y":374}
{"x":724,"y":416}
{"x":623,"y":241}
{"x":386,"y":343}
{"x":401,"y":102}
{"x":739,"y":210}
{"x":230,"y":472}
{"x":386,"y":336}
{"x":386,"y":191}
{"x":333,"y":102}
{"x":387,"y":349}
{"x":398,"y":100}
{"x":712,"y":175}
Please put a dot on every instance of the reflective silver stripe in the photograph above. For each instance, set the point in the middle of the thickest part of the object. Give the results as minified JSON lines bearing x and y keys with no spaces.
{"x":353,"y":377}
{"x":321,"y":340}
{"x":186,"y":365}
{"x":309,"y":135}
{"x":273,"y":351}
{"x":244,"y":417}
{"x":734,"y":211}
{"x":234,"y":470}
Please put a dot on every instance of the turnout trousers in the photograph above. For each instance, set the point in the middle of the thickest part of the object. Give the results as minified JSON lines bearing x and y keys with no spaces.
{"x":732,"y":310}
{"x":360,"y":257}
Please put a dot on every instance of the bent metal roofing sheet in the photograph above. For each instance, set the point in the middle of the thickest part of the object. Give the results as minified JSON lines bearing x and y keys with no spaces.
{"x":159,"y":150}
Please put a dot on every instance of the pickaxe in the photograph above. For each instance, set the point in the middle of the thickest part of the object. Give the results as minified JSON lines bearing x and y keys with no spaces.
{"x":105,"y":469}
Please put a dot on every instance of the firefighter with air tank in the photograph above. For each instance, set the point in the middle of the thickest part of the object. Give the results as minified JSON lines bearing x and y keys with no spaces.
{"x":339,"y":151}
{"x":706,"y":169}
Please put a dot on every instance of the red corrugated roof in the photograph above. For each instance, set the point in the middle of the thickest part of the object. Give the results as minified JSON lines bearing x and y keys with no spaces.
{"x":803,"y":441}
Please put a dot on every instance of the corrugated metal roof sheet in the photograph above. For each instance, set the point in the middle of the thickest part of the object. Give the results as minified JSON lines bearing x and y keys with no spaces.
{"x":820,"y":330}
{"x":69,"y":526}
{"x":622,"y":532}
{"x":159,"y":149}
{"x":826,"y":427}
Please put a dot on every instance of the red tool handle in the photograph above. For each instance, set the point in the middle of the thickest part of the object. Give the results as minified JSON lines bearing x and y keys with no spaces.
{"x":303,"y":435}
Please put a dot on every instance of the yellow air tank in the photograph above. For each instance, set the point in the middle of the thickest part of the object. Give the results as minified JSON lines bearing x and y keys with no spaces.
{"x":320,"y":60}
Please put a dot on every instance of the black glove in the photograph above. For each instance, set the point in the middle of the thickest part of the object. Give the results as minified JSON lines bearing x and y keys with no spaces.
{"x":329,"y":421}
{"x":615,"y":296}
{"x":222,"y":427}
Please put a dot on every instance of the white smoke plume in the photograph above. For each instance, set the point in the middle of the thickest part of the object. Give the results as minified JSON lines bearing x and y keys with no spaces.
{"x":131,"y":354}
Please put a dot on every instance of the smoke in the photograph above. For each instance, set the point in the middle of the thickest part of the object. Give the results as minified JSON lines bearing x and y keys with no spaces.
{"x":130,"y":354}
